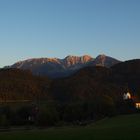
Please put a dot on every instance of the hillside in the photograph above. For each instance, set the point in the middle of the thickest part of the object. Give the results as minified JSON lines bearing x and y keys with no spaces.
{"x":117,"y":80}
{"x":21,"y":85}
{"x":128,"y":74}
{"x":87,"y":84}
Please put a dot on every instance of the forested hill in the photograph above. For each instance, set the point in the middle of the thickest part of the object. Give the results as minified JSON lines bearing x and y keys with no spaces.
{"x":86,"y":84}
{"x":92,"y":83}
{"x":21,"y":85}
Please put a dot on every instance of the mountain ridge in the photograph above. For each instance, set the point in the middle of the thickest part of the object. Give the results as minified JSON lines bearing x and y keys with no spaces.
{"x":56,"y":67}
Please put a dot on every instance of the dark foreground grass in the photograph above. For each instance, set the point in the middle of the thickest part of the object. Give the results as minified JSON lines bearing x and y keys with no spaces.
{"x":125,"y":127}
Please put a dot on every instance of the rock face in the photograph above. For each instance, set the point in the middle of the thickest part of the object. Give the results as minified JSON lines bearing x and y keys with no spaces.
{"x":55,"y":67}
{"x":103,"y":60}
{"x":75,"y":62}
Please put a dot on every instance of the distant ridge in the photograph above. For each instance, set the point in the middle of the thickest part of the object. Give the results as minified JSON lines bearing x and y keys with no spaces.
{"x":55,"y":67}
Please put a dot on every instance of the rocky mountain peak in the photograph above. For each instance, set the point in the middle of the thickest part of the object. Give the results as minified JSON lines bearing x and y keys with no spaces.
{"x":55,"y":67}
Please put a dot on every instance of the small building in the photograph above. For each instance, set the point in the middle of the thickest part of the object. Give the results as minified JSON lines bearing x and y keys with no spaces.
{"x":127,"y":96}
{"x":137,"y":105}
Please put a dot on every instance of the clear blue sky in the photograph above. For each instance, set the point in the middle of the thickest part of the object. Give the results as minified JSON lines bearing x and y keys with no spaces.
{"x":56,"y":28}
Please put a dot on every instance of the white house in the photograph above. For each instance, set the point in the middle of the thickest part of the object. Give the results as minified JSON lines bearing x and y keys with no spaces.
{"x":138,"y":105}
{"x":127,"y":96}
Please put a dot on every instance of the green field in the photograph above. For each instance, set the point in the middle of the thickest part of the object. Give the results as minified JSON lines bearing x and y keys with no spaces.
{"x":125,"y":127}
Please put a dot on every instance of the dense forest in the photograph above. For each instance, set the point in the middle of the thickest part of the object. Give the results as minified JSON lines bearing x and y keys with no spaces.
{"x":89,"y":94}
{"x":17,"y":84}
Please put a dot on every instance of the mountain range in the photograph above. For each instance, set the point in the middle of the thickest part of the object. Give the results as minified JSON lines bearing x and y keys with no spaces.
{"x":55,"y":67}
{"x":91,"y":93}
{"x":88,"y":83}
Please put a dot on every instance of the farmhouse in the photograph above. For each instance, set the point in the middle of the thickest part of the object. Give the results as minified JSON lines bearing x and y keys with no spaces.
{"x":137,"y":105}
{"x":128,"y":96}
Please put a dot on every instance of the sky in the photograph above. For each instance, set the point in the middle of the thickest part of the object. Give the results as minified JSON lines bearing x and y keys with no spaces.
{"x":57,"y":28}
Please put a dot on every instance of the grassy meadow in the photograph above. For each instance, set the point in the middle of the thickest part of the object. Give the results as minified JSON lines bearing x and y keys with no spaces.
{"x":125,"y":127}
